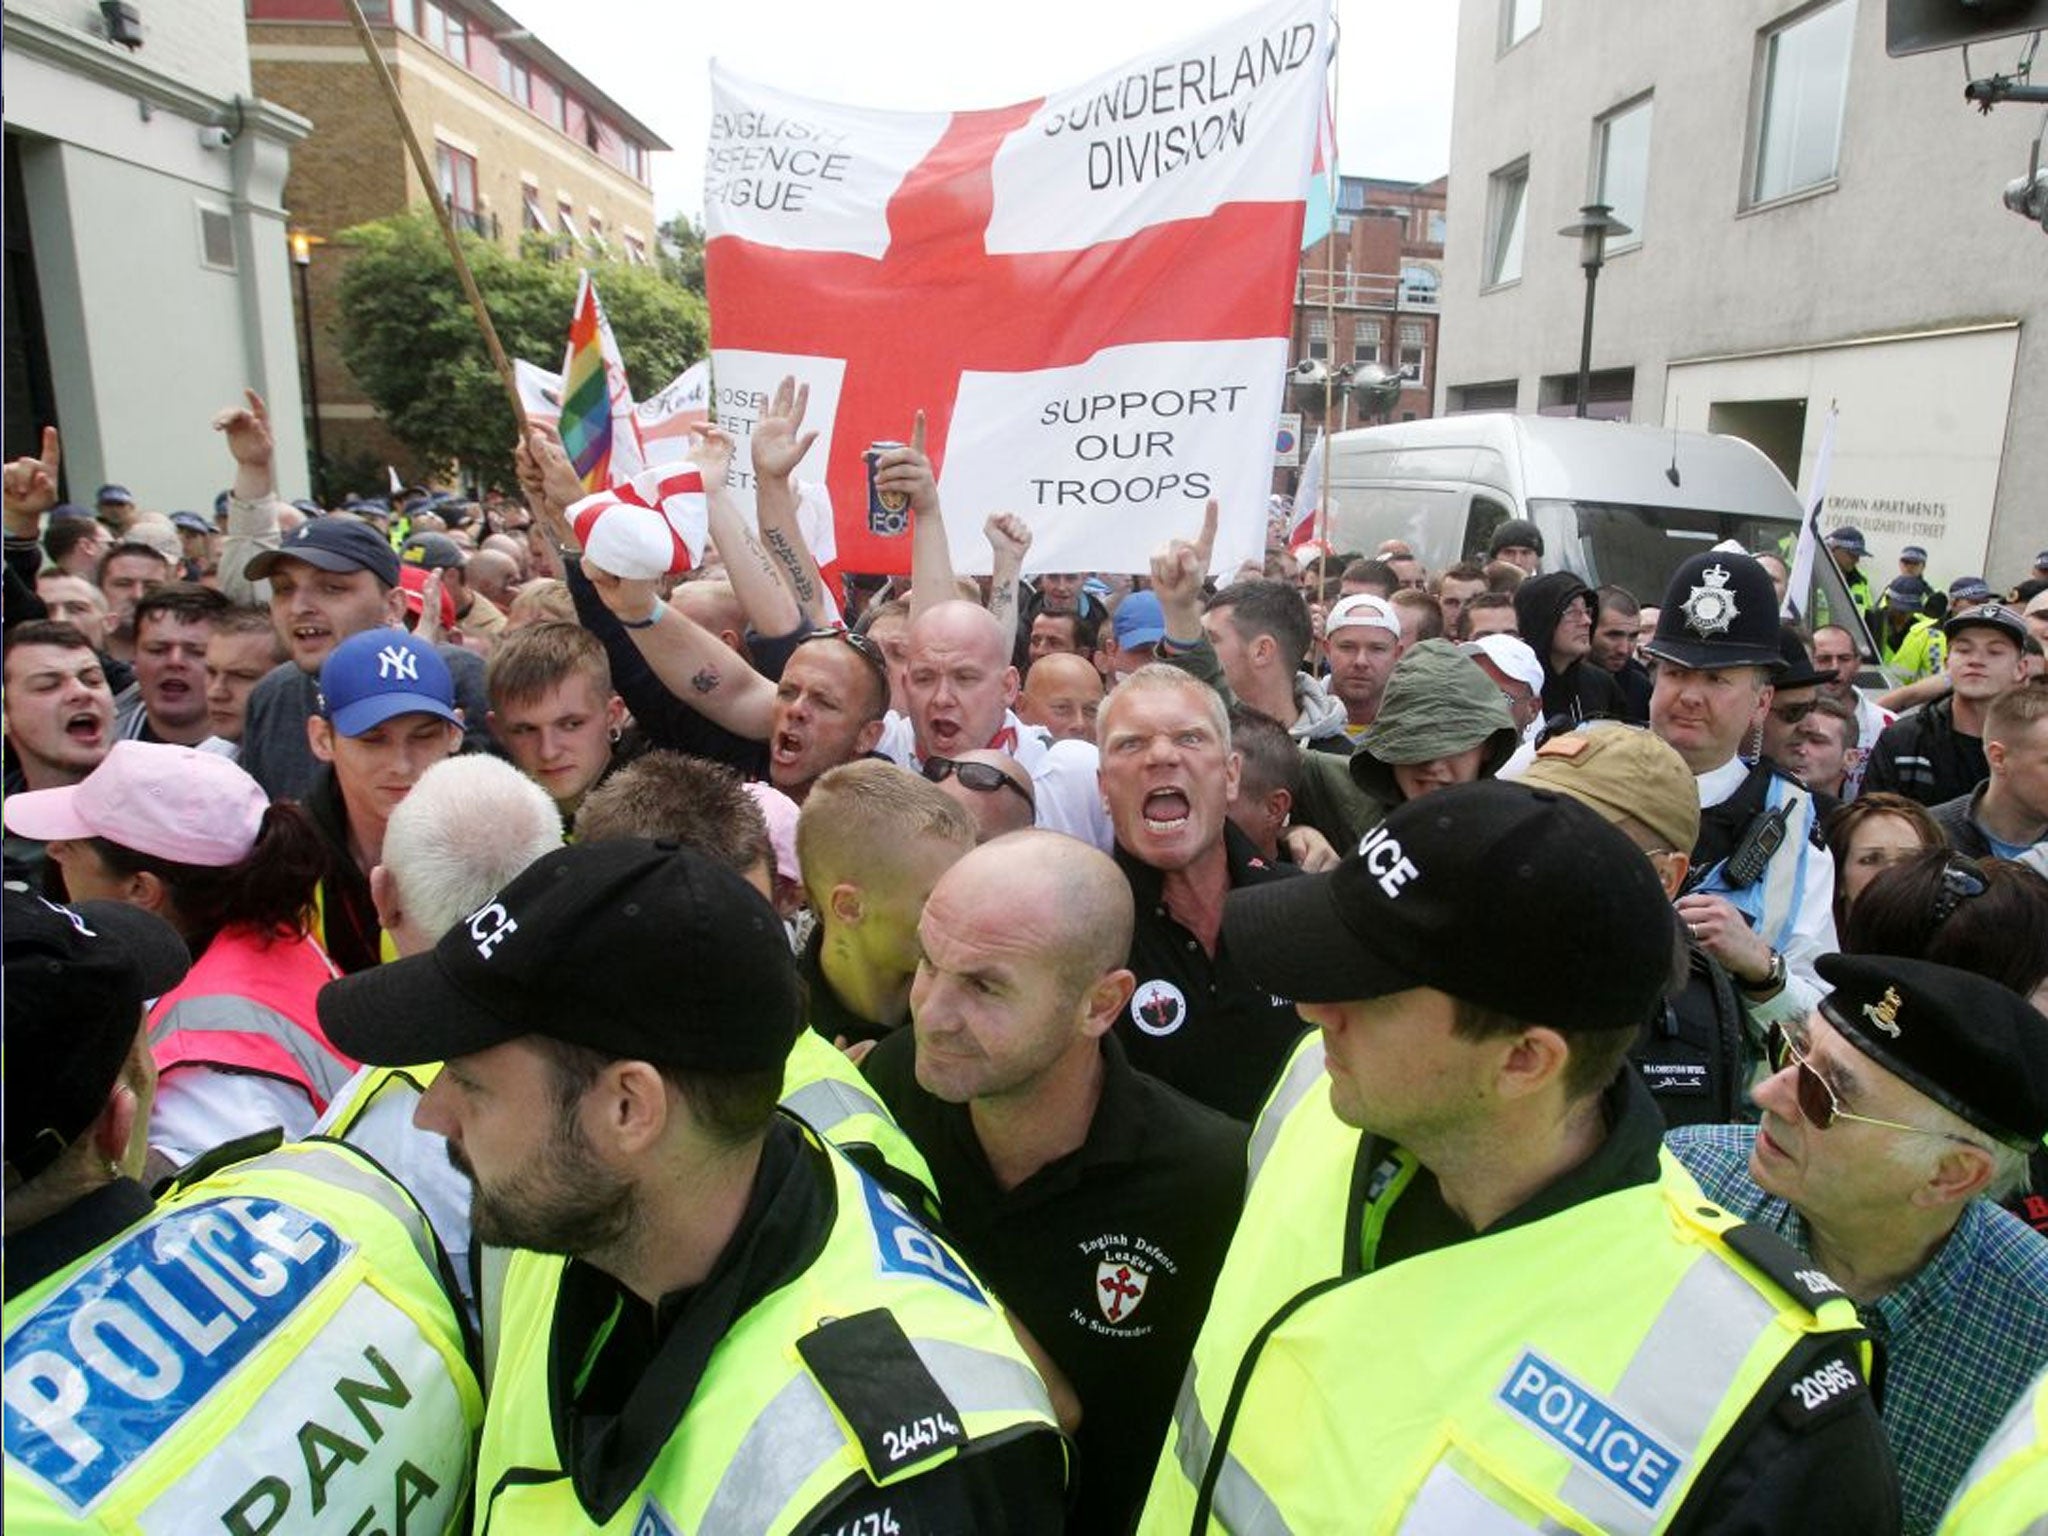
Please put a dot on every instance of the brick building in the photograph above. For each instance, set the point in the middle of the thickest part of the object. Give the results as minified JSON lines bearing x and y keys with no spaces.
{"x":522,"y":144}
{"x":1367,"y":292}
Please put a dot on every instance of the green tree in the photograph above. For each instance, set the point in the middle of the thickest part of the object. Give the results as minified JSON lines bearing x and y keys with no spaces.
{"x":408,"y":336}
{"x":679,"y":247}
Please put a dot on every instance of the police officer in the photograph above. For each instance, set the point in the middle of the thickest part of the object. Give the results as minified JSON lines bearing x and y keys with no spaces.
{"x":715,"y":1322}
{"x":1469,"y":1290}
{"x":1760,"y":894}
{"x":273,"y":1348}
{"x":2006,"y":1489}
{"x":1848,"y":548}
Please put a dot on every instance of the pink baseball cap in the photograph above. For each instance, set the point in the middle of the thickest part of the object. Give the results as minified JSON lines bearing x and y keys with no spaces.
{"x":174,"y":803}
{"x":780,"y":812}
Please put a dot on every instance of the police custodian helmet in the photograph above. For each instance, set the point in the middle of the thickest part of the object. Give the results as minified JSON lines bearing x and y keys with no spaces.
{"x":1719,"y":611}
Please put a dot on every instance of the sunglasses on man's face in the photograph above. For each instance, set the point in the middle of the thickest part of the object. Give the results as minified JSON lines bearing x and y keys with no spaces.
{"x":983,"y":778}
{"x":1818,"y":1102}
{"x":1792,"y":714}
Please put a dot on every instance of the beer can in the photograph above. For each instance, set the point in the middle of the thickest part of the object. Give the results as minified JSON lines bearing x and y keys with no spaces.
{"x":888,"y":511}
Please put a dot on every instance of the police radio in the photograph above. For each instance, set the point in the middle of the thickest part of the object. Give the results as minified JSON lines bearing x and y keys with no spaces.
{"x":1752,"y":855}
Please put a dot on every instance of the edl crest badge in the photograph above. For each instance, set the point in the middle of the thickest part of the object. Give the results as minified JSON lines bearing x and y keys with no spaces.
{"x":1711,"y":608}
{"x":1119,"y":1287}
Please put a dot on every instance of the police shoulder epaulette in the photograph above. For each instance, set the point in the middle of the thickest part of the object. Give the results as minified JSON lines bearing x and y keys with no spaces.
{"x":226,"y":1155}
{"x":883,"y":1393}
{"x":1796,"y":1274}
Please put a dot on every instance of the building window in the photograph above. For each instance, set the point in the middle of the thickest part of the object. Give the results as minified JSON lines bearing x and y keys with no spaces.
{"x":1319,"y":337}
{"x":1507,"y":217}
{"x":636,"y":250}
{"x":514,"y":79}
{"x":565,"y":211}
{"x":1365,"y":343}
{"x":1436,"y":226}
{"x":604,"y":246}
{"x":456,"y":174}
{"x":548,"y":101}
{"x":1804,"y":86}
{"x":532,"y":219}
{"x":445,"y":30}
{"x":1418,"y":285}
{"x":1414,"y":350}
{"x":1621,"y":176}
{"x":1518,"y":18}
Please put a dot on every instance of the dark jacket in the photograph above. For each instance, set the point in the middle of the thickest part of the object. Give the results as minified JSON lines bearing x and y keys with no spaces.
{"x":1581,"y":691}
{"x":1924,"y":757}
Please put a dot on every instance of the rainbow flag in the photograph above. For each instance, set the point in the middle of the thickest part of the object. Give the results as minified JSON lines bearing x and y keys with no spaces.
{"x":593,"y":386}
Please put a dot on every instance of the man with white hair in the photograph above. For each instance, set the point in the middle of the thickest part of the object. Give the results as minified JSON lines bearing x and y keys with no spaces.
{"x":469,"y":825}
{"x":463,"y":832}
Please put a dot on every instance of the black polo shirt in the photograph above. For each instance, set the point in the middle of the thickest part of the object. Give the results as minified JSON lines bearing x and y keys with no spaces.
{"x":1197,"y":1021}
{"x":1108,"y":1255}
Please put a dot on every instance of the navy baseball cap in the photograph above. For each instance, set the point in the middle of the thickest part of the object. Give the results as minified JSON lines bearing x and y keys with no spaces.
{"x":1914,"y":553}
{"x":332,"y":544}
{"x":1907,"y":594}
{"x":1139,"y":621}
{"x":119,"y":493}
{"x":70,"y":509}
{"x":435,"y":551}
{"x":190,"y":522}
{"x":380,"y":673}
{"x":1971,"y":589}
{"x":1847,"y":538}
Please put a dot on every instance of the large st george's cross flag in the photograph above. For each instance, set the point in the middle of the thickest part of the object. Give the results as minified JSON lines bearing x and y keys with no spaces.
{"x":1089,"y":294}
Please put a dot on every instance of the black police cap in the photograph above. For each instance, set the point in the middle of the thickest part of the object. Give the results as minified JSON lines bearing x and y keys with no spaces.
{"x":1719,"y":611}
{"x":1976,"y":1048}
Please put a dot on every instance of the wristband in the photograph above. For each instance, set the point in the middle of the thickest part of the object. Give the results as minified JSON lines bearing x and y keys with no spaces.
{"x":1773,"y":982}
{"x":650,"y":621}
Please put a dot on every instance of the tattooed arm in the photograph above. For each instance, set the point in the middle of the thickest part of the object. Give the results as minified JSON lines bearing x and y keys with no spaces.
{"x":757,"y":580}
{"x":1010,"y":537}
{"x":691,"y":662}
{"x":779,"y":444}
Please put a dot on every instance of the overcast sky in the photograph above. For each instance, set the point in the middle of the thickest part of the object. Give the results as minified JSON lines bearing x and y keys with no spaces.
{"x":653,"y":57}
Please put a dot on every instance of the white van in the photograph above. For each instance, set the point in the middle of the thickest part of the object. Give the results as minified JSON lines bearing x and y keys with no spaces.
{"x":1616,"y":504}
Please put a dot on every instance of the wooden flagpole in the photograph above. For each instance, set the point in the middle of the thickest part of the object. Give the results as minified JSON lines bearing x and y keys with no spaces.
{"x":1329,"y":322}
{"x":441,"y":216}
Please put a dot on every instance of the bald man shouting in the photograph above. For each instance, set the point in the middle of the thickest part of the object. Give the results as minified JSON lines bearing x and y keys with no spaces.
{"x":1095,"y":1199}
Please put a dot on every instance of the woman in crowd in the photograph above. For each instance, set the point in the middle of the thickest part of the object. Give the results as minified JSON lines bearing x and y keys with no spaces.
{"x":1869,"y":835}
{"x":191,"y":837}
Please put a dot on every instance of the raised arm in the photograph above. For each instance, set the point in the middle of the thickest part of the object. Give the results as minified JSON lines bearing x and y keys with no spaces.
{"x":31,"y":488}
{"x":1009,"y":536}
{"x":908,"y":471}
{"x":691,"y":662}
{"x":252,"y":500}
{"x":757,"y":580}
{"x":1177,"y":574}
{"x":779,"y":444}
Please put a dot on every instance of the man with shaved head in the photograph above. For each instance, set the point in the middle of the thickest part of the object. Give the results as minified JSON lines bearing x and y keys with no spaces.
{"x":990,"y":786}
{"x":1097,"y":1201}
{"x":1061,"y":695}
{"x":960,"y":686}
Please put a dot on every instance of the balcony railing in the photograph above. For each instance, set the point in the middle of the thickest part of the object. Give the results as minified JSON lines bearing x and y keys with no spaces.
{"x":1360,"y":290}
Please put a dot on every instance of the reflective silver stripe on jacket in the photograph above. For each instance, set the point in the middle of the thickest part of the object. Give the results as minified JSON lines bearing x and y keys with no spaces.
{"x":829,"y":1103}
{"x":227,"y":1015}
{"x":326,"y":1165}
{"x":1677,"y":1380}
{"x":796,"y":1433}
{"x":1240,"y":1505}
{"x":1301,"y":1076}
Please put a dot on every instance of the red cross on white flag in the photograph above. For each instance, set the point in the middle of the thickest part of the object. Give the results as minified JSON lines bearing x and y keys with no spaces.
{"x":1089,"y":294}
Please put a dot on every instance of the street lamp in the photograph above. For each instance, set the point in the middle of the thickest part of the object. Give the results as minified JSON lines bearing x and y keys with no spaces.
{"x":302,"y":258}
{"x":1595,"y":223}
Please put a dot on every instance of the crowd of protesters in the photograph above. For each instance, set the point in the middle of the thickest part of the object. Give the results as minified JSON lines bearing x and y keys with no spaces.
{"x":1064,"y":918}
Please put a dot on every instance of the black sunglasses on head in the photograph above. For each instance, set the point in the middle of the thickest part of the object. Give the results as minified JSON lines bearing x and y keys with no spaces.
{"x":983,"y":778}
{"x":1960,"y":882}
{"x":863,"y":647}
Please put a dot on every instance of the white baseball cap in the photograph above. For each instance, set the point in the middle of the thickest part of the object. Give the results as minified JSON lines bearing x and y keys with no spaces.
{"x":1363,"y":608}
{"x":1512,"y":655}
